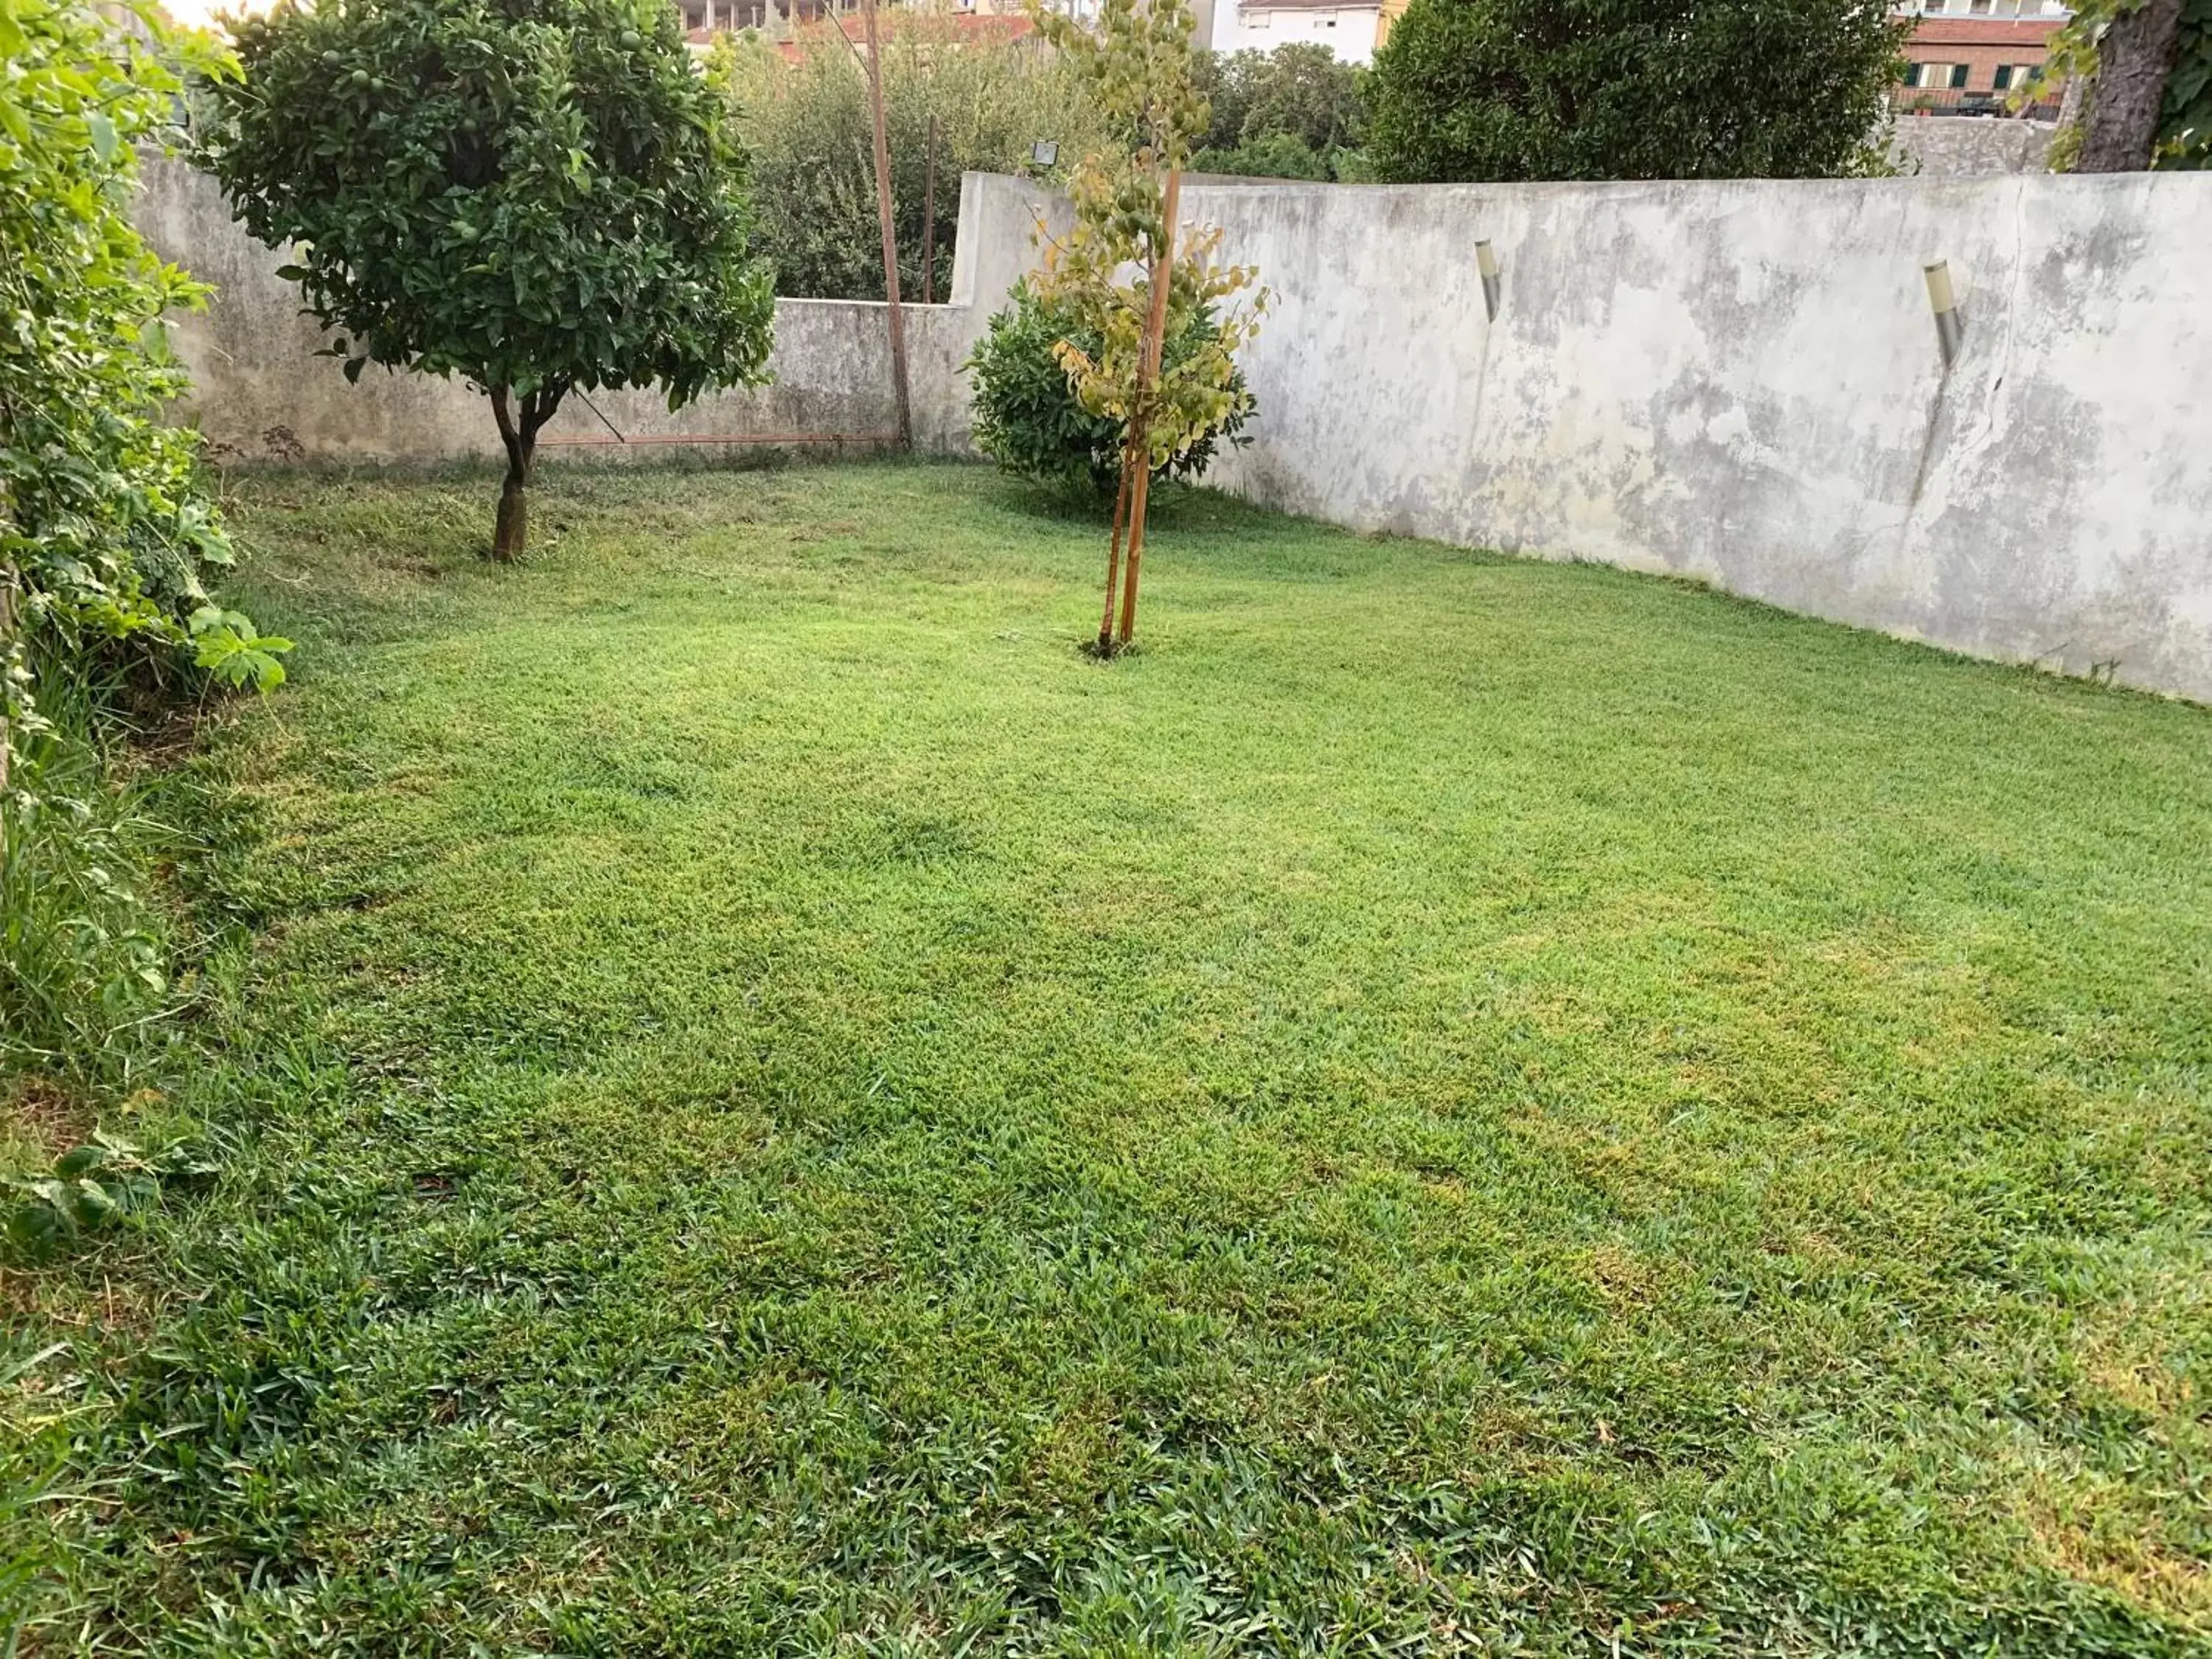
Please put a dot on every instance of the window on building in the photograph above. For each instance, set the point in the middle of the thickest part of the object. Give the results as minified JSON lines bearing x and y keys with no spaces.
{"x":1958,"y":77}
{"x":1978,"y":7}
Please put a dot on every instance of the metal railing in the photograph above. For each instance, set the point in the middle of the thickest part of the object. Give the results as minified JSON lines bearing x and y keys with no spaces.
{"x":1957,"y":100}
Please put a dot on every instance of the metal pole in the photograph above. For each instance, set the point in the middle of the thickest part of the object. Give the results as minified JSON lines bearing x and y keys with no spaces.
{"x":891,"y":235}
{"x":1950,"y":328}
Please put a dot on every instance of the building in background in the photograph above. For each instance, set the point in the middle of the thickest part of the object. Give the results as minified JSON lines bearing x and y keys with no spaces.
{"x":1350,"y":28}
{"x":1976,"y":57}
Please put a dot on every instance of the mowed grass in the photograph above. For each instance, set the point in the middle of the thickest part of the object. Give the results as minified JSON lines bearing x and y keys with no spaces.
{"x":1448,"y":1105}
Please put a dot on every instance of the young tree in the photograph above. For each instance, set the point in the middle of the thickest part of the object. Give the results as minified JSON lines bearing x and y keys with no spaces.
{"x":1516,"y":89}
{"x":537,"y":195}
{"x":1138,"y":60}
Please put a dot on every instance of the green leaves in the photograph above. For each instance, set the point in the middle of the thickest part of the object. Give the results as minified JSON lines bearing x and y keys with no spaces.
{"x":2184,"y":128}
{"x":93,"y":1186}
{"x":106,"y":529}
{"x":1030,"y":419}
{"x":807,"y":133}
{"x":233,"y":653}
{"x":1521,"y":89}
{"x":1140,"y":61}
{"x":554,"y":200}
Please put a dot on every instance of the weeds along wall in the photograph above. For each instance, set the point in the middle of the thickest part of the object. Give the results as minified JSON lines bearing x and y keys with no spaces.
{"x":1738,"y":382}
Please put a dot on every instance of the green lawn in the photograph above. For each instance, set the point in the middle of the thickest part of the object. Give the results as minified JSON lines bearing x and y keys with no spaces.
{"x":768,"y":1104}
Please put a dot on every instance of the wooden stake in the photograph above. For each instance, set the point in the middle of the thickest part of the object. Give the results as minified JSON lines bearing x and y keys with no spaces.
{"x":1148,"y":369}
{"x":929,"y":218}
{"x":891,"y":235}
{"x":1114,"y":555}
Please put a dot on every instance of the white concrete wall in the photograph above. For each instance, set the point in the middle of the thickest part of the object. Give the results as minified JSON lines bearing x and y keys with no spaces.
{"x":1740,"y":382}
{"x":260,"y":391}
{"x":1349,"y":31}
{"x":1733,"y":381}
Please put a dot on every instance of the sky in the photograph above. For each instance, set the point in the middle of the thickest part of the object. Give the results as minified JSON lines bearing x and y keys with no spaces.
{"x":200,"y":12}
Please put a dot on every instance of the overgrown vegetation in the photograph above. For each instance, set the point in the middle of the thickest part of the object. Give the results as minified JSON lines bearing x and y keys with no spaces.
{"x":1528,"y":89}
{"x":1295,"y":113}
{"x":106,"y":533}
{"x":108,"y":537}
{"x":1029,"y":420}
{"x":989,"y":99}
{"x":536,"y":194}
{"x":1450,"y":1098}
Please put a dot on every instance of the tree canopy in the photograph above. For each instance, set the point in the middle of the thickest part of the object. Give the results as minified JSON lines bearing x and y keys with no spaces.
{"x":1521,"y":89}
{"x":536,"y":194}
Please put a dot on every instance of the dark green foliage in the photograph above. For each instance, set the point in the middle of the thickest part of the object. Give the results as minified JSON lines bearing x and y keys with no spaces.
{"x":1280,"y":155}
{"x":1522,"y":89}
{"x":93,"y":1185}
{"x":1294,"y":112}
{"x":2186,"y":128}
{"x":106,"y":529}
{"x":84,"y":942}
{"x":1029,"y":420}
{"x":532,"y":194}
{"x":108,"y":533}
{"x":525,"y":192}
{"x":2184,"y":125}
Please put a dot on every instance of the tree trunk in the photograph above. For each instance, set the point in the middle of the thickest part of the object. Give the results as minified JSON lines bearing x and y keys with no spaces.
{"x":513,"y":532}
{"x":2133,"y":61}
{"x":518,"y":431}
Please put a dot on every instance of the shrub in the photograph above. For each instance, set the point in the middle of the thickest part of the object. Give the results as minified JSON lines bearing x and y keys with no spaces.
{"x":106,"y":531}
{"x":1518,"y":89}
{"x":806,"y":126}
{"x":1280,"y":156}
{"x":1303,"y":89}
{"x":1029,"y":419}
{"x":1295,"y":113}
{"x":534,"y":197}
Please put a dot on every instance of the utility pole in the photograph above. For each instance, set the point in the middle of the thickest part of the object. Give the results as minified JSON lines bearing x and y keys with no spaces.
{"x":891,"y":234}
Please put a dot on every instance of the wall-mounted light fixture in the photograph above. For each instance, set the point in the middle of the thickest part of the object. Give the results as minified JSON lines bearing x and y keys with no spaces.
{"x":1950,"y":326}
{"x":1486,"y":261}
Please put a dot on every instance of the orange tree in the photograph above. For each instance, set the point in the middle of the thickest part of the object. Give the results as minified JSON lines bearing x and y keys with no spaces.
{"x":536,"y":194}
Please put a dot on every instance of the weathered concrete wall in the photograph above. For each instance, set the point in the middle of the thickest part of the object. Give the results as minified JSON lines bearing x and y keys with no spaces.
{"x":259,"y":391}
{"x":1741,"y":382}
{"x":1733,"y":381}
{"x":1969,"y":147}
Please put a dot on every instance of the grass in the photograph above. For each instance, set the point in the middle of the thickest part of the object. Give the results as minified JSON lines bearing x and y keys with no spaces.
{"x":1449,"y":1104}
